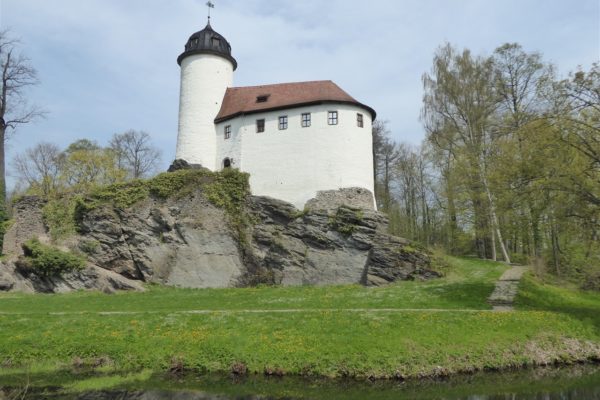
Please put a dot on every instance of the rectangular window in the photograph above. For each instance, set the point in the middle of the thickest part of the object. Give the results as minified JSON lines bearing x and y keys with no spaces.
{"x":332,"y":118}
{"x":305,"y":120}
{"x":283,"y":122}
{"x":227,"y":132}
{"x":359,"y":120}
{"x":260,"y":125}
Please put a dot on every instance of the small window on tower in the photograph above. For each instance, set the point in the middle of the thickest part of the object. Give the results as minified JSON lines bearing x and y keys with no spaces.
{"x":359,"y":120}
{"x":283,"y":122}
{"x":227,"y":132}
{"x":332,"y":118}
{"x":262,"y":98}
{"x":216,"y":42}
{"x":260,"y":125}
{"x":305,"y":120}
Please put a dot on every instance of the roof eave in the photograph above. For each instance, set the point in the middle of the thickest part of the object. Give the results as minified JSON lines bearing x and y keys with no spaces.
{"x":297,"y":105}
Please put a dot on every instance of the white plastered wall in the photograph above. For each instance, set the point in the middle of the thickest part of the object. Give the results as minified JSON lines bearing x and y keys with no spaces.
{"x":295,"y":163}
{"x":204,"y":79}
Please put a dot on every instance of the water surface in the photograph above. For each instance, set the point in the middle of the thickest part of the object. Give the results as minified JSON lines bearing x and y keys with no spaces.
{"x":579,"y":382}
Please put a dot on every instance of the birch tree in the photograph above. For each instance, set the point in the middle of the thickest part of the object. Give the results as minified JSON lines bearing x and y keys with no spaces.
{"x":460,"y":103}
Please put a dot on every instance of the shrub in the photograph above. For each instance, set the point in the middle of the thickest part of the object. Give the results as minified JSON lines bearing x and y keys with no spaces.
{"x":49,"y":261}
{"x":519,"y":258}
{"x":89,"y":246}
{"x":58,"y":216}
{"x":122,"y":194}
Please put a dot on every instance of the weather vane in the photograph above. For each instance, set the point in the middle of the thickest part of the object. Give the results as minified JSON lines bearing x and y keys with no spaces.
{"x":210,"y":5}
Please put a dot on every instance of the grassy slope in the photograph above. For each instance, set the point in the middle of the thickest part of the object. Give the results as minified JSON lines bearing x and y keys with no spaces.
{"x":315,"y":341}
{"x":467,"y":285}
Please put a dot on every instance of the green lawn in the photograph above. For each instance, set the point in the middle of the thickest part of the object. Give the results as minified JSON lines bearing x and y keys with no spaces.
{"x":466,"y":286}
{"x":327,"y":334}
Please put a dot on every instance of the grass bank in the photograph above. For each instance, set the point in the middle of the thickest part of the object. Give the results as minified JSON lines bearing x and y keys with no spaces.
{"x":410,"y":329}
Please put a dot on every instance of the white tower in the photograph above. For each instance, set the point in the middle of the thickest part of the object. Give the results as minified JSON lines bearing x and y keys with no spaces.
{"x":206,"y":72}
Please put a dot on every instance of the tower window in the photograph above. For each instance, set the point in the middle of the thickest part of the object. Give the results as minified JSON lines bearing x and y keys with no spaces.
{"x":283,"y":122}
{"x":332,"y":118}
{"x":227,"y":163}
{"x":359,"y":120}
{"x":260,"y":125}
{"x":227,"y":132}
{"x":305,"y":120}
{"x":262,"y":98}
{"x":216,"y":42}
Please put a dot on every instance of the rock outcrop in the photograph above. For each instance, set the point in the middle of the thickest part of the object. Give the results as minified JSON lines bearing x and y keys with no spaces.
{"x":187,"y":241}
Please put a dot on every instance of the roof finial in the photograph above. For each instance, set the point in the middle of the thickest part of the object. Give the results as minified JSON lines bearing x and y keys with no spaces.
{"x":210,"y":5}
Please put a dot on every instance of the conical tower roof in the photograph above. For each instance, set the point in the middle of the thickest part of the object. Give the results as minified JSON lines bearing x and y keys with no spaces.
{"x":207,"y":41}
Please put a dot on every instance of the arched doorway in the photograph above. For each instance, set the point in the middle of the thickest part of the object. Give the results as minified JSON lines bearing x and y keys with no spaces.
{"x":227,"y":162}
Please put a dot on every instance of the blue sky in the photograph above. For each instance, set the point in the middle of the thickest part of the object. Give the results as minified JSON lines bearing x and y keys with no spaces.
{"x":106,"y":66}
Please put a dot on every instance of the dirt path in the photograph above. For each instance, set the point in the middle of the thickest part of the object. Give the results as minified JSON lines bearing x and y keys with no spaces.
{"x":503,"y":296}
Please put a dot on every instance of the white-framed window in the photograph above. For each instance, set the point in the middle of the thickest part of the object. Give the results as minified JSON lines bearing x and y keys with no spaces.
{"x":359,"y":120}
{"x":283,"y":122}
{"x":227,"y":132}
{"x":305,"y":120}
{"x":332,"y":117}
{"x":260,"y":125}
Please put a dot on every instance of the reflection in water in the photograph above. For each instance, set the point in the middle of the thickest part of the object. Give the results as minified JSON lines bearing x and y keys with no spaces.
{"x":582,"y":382}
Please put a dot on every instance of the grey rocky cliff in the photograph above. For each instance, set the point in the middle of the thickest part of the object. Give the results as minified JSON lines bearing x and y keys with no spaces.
{"x":189,"y":242}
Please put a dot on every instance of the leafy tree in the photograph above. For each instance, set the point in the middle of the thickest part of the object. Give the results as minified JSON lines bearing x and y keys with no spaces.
{"x":86,"y":164}
{"x":385,"y":154}
{"x":520,"y":79}
{"x":460,"y":103}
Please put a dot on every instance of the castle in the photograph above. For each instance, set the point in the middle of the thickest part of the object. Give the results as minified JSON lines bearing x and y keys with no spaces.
{"x":296,"y":140}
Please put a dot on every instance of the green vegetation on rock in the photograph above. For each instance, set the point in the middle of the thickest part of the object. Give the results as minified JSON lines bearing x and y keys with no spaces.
{"x":225,"y":189}
{"x":345,"y":220}
{"x":59,"y":216}
{"x":47,"y":260}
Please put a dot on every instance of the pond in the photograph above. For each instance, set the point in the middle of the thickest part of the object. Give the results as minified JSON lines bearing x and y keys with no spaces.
{"x":575,"y":382}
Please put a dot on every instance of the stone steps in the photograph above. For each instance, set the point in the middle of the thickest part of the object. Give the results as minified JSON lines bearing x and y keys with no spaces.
{"x":503,"y":296}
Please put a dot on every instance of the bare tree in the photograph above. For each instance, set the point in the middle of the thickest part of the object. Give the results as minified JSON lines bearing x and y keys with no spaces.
{"x":39,"y":166}
{"x":16,"y":75}
{"x":135,"y":153}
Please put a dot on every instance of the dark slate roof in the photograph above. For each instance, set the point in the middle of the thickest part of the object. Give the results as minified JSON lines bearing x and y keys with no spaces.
{"x":243,"y":100}
{"x":207,"y":41}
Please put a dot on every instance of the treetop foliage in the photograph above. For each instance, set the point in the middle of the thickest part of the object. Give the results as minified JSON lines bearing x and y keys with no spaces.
{"x":511,"y":160}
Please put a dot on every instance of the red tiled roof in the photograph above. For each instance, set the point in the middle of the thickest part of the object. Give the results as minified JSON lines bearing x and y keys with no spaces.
{"x":243,"y":100}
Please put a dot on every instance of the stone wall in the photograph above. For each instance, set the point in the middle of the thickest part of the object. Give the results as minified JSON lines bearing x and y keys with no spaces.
{"x":349,"y":197}
{"x":28,"y":223}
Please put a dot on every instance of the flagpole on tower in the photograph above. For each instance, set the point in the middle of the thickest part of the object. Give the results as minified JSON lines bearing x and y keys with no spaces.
{"x":210,"y":5}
